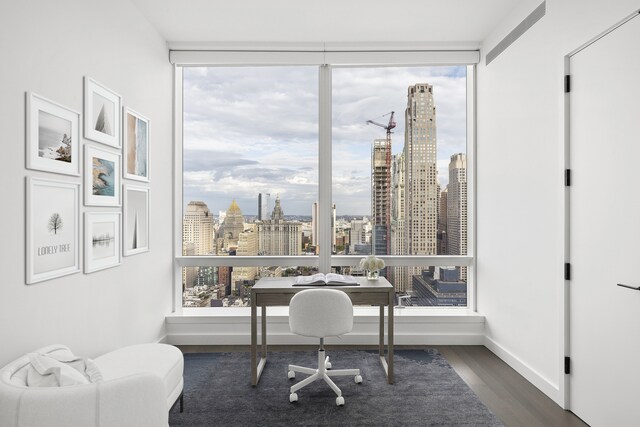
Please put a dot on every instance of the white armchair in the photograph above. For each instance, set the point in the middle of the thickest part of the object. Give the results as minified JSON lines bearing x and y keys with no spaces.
{"x":140,"y":384}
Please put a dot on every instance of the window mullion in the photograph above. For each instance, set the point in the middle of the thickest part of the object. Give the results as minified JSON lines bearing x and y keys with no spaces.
{"x":324,"y":169}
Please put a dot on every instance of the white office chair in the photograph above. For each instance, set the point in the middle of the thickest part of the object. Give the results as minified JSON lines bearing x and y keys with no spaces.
{"x":320,"y":313}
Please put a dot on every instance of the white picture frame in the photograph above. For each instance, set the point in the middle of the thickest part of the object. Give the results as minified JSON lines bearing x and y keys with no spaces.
{"x":101,"y":177}
{"x":136,"y":220}
{"x":102,"y":108}
{"x":52,"y":229}
{"x":135,"y":137}
{"x":101,"y":240}
{"x":53,"y":136}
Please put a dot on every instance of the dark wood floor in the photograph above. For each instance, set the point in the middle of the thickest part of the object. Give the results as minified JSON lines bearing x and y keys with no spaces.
{"x":511,"y":397}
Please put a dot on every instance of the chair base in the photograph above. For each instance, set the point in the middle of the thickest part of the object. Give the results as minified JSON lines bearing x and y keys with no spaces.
{"x":321,"y":373}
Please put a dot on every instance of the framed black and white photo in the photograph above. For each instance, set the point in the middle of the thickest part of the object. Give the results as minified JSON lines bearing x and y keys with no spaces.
{"x":136,"y":220}
{"x":53,"y":229}
{"x":101,"y":113}
{"x":136,"y":145}
{"x":53,"y":136}
{"x":101,"y":240}
{"x":101,"y":177}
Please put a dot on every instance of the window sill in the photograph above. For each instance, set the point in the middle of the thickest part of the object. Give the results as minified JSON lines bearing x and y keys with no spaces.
{"x":412,"y":326}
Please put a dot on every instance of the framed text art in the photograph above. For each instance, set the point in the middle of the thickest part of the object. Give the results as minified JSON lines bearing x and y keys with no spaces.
{"x":101,"y":177}
{"x":136,"y":220}
{"x":53,"y":136}
{"x":101,"y":240}
{"x":136,"y":145}
{"x":101,"y":113}
{"x":53,"y":229}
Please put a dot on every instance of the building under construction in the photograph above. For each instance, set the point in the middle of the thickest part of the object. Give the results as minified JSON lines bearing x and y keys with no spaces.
{"x":381,"y":190}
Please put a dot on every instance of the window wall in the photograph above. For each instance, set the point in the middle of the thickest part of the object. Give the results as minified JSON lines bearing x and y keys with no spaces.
{"x":290,"y":170}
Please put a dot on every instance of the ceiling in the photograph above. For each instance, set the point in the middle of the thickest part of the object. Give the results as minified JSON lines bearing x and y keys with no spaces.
{"x":286,"y":21}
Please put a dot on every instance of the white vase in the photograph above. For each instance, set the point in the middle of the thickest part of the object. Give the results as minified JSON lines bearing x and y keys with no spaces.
{"x":373,"y":274}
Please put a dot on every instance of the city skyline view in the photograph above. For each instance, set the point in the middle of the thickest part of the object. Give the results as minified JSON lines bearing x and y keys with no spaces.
{"x":414,"y":206}
{"x":237,"y":145}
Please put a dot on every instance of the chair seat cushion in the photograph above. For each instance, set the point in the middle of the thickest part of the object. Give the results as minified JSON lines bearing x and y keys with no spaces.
{"x":165,"y":361}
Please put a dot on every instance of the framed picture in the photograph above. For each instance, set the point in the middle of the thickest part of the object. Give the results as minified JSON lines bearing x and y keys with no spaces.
{"x":101,"y":177}
{"x":53,"y":136}
{"x":136,"y":145}
{"x":101,"y":113}
{"x":53,"y":229}
{"x":136,"y":220}
{"x":101,"y":240}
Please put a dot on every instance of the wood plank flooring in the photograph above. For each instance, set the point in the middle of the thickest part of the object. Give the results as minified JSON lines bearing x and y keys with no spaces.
{"x":506,"y":393}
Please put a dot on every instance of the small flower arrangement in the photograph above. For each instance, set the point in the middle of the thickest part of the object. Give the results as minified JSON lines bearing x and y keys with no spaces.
{"x":373,"y":265}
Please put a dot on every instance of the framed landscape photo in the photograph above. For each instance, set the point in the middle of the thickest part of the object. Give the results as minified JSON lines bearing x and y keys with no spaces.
{"x":53,"y":229}
{"x":101,"y":240}
{"x":53,"y":136}
{"x":136,"y":145}
{"x":101,"y":113}
{"x":101,"y":177}
{"x":136,"y":220}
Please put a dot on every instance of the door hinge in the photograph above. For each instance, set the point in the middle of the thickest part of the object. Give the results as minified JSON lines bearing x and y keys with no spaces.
{"x":567,"y":177}
{"x":567,"y":365}
{"x":567,"y":271}
{"x":567,"y":83}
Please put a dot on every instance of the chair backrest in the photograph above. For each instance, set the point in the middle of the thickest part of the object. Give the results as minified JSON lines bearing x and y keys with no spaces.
{"x":320,"y":313}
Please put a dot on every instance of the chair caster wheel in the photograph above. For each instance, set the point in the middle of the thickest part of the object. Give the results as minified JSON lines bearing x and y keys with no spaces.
{"x":340,"y":401}
{"x":291,"y":375}
{"x":358,"y":379}
{"x":293,"y":397}
{"x":327,"y":365}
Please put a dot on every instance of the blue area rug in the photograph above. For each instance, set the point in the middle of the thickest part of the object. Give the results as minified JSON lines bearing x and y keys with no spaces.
{"x":427,"y":392}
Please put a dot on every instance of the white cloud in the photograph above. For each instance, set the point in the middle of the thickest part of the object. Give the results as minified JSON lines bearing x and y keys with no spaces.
{"x":248,"y":132}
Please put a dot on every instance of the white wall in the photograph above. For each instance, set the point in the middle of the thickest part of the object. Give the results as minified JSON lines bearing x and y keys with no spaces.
{"x":47,"y":47}
{"x":520,"y":184}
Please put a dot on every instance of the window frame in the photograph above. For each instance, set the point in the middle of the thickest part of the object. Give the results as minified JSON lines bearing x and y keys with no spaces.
{"x":326,"y":60}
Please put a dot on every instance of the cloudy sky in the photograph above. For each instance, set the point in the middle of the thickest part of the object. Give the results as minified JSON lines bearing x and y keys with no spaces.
{"x":255,"y":130}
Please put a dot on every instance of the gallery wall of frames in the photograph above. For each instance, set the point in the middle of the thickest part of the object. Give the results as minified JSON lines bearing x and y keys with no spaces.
{"x":92,"y":207}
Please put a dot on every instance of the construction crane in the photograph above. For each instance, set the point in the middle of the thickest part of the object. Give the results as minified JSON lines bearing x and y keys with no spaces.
{"x":381,"y":180}
{"x":391,"y":125}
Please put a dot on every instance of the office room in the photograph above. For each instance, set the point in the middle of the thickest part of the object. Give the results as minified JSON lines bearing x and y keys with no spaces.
{"x":209,"y":158}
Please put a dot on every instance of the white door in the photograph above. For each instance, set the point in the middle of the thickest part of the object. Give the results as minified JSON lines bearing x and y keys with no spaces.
{"x":604,"y":384}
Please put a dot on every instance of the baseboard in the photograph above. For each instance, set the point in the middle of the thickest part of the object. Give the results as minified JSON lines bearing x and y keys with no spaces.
{"x":535,"y":378}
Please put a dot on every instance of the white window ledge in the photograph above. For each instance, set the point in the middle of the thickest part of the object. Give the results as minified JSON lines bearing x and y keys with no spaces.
{"x":412,"y":326}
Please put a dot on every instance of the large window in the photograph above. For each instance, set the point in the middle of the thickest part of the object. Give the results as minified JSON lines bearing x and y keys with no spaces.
{"x":254,"y":176}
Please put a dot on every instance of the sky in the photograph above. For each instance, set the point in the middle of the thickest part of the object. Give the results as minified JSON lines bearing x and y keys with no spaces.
{"x":252,"y":130}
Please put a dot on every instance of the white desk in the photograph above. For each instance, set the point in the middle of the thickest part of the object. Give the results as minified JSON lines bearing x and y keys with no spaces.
{"x":278,"y":291}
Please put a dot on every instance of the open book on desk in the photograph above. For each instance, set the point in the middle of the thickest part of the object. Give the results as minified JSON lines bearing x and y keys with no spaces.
{"x":330,"y":279}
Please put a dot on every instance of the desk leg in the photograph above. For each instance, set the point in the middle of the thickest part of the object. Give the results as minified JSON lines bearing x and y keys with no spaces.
{"x":264,"y":332}
{"x":256,"y":368}
{"x":381,"y":333}
{"x":254,"y":342}
{"x":390,"y":338}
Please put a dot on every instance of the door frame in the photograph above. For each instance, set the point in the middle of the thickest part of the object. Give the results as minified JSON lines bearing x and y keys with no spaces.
{"x":565,"y":389}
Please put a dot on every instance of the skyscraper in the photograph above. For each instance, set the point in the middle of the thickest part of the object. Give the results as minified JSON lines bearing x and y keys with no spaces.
{"x":263,"y":206}
{"x":457,"y":209}
{"x":442,"y":222}
{"x":197,"y":237}
{"x":421,"y":174}
{"x":247,"y":246}
{"x":277,"y":236}
{"x":314,"y":225}
{"x":381,"y":196}
{"x":233,"y":225}
{"x":197,"y":228}
{"x":398,"y":233}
